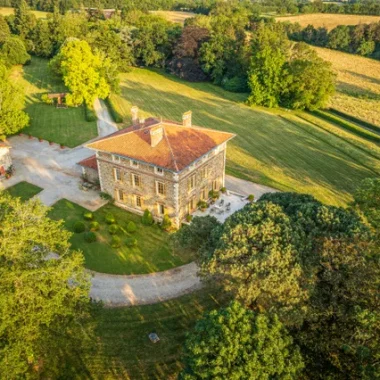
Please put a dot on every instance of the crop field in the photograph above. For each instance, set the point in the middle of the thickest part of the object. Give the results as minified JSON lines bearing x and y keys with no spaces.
{"x":358,"y":84}
{"x":10,"y":11}
{"x":329,"y":21}
{"x":277,"y":149}
{"x":63,"y":126}
{"x":175,"y":16}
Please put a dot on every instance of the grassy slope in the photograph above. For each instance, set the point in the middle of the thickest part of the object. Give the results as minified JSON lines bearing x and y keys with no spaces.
{"x":23,"y":190}
{"x":124,"y":349}
{"x":152,"y":253}
{"x":268,"y":149}
{"x":10,"y":11}
{"x":329,"y":21}
{"x":358,"y":84}
{"x":63,"y":126}
{"x":175,"y":16}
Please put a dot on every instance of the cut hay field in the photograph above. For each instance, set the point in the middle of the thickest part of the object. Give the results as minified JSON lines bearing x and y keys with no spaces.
{"x":175,"y":16}
{"x":62,"y":126}
{"x":10,"y":11}
{"x":329,"y":21}
{"x":278,"y":150}
{"x":358,"y":84}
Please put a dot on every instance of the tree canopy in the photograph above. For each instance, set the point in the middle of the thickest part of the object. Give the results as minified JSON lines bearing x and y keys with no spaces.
{"x":44,"y":301}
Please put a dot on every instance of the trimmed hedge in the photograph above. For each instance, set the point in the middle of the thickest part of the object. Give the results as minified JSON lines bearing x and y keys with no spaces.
{"x":94,"y":226}
{"x":88,"y":215}
{"x":115,"y":242}
{"x":348,"y":126}
{"x":110,"y":219}
{"x":111,"y":108}
{"x":131,"y":242}
{"x":364,"y":123}
{"x":113,"y":228}
{"x":79,"y":227}
{"x":90,"y":237}
{"x":131,"y":227}
{"x":89,"y":113}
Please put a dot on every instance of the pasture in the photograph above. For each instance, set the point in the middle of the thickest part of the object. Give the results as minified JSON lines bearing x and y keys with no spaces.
{"x":277,"y":149}
{"x":63,"y":126}
{"x":358,"y":84}
{"x":10,"y":11}
{"x":175,"y":16}
{"x":328,"y":20}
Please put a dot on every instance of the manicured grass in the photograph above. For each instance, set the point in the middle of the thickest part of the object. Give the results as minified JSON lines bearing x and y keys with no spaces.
{"x":124,"y":350}
{"x":328,"y":20}
{"x":23,"y":190}
{"x":63,"y":126}
{"x":268,"y":149}
{"x":358,"y":84}
{"x":152,"y":253}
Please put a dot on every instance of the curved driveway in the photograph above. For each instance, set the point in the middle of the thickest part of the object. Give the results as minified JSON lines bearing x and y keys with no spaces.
{"x":121,"y":290}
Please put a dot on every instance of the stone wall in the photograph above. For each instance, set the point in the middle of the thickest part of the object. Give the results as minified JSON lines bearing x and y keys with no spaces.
{"x":90,"y":175}
{"x":5,"y":159}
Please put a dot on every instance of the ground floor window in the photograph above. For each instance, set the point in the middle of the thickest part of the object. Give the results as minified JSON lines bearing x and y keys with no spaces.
{"x":191,"y":206}
{"x":161,"y":209}
{"x":120,"y":195}
{"x":215,"y":185}
{"x":204,"y":193}
{"x":138,"y":201}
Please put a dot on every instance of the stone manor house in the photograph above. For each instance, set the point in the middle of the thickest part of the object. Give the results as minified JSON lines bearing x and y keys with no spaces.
{"x":163,"y":166}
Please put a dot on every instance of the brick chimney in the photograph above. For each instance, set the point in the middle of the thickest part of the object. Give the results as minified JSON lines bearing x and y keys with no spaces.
{"x":186,"y":119}
{"x":135,"y":115}
{"x":156,"y":135}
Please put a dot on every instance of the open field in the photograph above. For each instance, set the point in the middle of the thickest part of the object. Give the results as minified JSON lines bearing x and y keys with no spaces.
{"x":63,"y":126}
{"x":269,"y":149}
{"x":358,"y":84}
{"x":175,"y":16}
{"x":124,"y":349}
{"x":151,"y":254}
{"x":329,"y":21}
{"x":10,"y":11}
{"x":23,"y":190}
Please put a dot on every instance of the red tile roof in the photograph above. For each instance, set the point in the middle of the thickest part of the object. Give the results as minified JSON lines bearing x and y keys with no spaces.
{"x":89,"y":162}
{"x":179,"y":147}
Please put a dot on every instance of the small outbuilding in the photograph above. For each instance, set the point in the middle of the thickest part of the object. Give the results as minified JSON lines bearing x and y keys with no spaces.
{"x":5,"y":158}
{"x":90,"y":169}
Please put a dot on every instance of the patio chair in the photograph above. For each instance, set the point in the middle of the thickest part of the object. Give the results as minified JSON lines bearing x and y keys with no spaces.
{"x":228,"y":207}
{"x":221,"y":211}
{"x":212,"y":210}
{"x":221,"y":202}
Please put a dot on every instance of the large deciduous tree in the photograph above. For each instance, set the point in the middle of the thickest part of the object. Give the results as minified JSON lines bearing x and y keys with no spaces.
{"x":13,"y":52}
{"x":12,"y":116}
{"x":87,"y":75}
{"x":236,"y":343}
{"x":44,"y":302}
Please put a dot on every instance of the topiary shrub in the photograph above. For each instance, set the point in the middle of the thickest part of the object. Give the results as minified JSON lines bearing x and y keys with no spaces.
{"x":105,"y":196}
{"x":88,"y":215}
{"x":214,"y":194}
{"x":90,"y":237}
{"x":115,"y":242}
{"x":110,"y":219}
{"x":113,"y":228}
{"x":147,"y":218}
{"x":131,"y":242}
{"x":166,"y":223}
{"x":223,"y":190}
{"x":189,"y":218}
{"x":131,"y":227}
{"x":202,"y":205}
{"x":251,"y":197}
{"x":94,"y":226}
{"x":79,"y":227}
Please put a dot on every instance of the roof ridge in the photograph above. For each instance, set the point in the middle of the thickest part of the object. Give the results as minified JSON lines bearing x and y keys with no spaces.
{"x":174,"y":123}
{"x":171,"y":150}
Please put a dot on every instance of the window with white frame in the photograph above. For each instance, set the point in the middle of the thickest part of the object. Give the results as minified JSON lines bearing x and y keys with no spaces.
{"x":134,"y":163}
{"x":160,"y":188}
{"x":136,"y":180}
{"x":204,"y":172}
{"x":191,"y":183}
{"x":204,"y":193}
{"x":120,"y":195}
{"x":115,"y":158}
{"x":161,"y":209}
{"x":117,"y":174}
{"x":158,"y":171}
{"x":138,"y":201}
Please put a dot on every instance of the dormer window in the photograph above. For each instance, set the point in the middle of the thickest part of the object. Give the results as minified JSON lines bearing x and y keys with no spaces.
{"x":134,"y":164}
{"x":158,"y":171}
{"x":115,"y":158}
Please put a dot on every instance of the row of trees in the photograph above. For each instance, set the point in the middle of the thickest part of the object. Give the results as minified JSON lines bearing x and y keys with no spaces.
{"x":307,"y":277}
{"x":362,"y":39}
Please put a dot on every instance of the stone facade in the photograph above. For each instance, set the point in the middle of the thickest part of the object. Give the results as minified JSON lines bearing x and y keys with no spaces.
{"x":90,"y":175}
{"x":137,"y":186}
{"x":5,"y":159}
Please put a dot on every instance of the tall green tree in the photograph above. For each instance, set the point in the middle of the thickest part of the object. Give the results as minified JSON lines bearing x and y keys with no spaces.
{"x":4,"y":29}
{"x":13,"y":52}
{"x":12,"y":116}
{"x":86,"y":74}
{"x":44,"y":302}
{"x":270,"y":51}
{"x":24,"y":21}
{"x":236,"y":343}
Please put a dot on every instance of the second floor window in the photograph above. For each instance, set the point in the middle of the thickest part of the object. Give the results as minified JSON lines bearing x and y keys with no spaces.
{"x":136,"y":180}
{"x":116,"y":174}
{"x":191,"y":183}
{"x":204,"y":172}
{"x":160,"y":188}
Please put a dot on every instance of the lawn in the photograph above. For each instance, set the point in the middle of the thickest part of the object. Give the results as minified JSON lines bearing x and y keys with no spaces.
{"x":358,"y":84}
{"x":329,"y":21}
{"x":124,"y":350}
{"x":152,"y":253}
{"x":175,"y":16}
{"x":5,"y":11}
{"x":63,"y":126}
{"x":290,"y":155}
{"x":23,"y":190}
